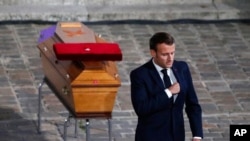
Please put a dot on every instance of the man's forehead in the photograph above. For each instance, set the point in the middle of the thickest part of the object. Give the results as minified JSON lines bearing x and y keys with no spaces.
{"x":165,"y":46}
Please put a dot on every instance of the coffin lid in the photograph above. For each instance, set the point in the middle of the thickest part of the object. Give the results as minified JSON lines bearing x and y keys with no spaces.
{"x":74,"y":32}
{"x":94,"y":73}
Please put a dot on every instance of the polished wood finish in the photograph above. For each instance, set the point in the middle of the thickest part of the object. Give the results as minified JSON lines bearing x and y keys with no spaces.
{"x":74,"y":33}
{"x":87,"y":89}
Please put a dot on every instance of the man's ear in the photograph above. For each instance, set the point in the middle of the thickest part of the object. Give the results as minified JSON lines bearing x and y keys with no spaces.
{"x":153,"y":53}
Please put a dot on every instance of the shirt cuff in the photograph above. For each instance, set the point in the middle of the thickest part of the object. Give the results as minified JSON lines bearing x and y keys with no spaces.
{"x":197,"y":138}
{"x":169,"y":94}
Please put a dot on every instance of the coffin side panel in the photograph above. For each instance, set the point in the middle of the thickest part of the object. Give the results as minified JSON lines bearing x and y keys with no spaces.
{"x":58,"y":84}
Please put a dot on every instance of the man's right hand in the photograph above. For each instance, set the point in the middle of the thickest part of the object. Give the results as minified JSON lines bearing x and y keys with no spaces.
{"x":175,"y":88}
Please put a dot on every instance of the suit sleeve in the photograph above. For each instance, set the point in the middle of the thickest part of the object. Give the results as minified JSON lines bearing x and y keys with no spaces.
{"x":193,"y":108}
{"x":144,"y":102}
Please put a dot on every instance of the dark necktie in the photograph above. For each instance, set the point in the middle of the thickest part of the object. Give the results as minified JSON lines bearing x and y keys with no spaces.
{"x":167,"y":81}
{"x":166,"y":78}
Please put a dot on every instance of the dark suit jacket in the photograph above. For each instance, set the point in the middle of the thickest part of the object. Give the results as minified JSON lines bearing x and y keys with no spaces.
{"x":158,"y":118}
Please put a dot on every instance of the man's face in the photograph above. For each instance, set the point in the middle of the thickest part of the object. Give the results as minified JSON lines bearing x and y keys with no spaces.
{"x":164,"y":56}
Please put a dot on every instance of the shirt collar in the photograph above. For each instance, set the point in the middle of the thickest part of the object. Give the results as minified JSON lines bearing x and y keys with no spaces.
{"x":158,"y":68}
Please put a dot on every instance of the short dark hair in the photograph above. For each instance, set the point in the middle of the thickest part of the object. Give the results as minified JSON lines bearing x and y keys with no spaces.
{"x":160,"y":37}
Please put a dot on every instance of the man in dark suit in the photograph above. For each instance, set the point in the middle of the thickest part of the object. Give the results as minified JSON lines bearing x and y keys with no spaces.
{"x":159,"y":90}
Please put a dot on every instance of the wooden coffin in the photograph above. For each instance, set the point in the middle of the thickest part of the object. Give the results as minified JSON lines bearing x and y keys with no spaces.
{"x":86,"y":87}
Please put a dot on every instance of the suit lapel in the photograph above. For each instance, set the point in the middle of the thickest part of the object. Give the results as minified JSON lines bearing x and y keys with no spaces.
{"x":176,"y":72}
{"x":154,"y":74}
{"x":177,"y":76}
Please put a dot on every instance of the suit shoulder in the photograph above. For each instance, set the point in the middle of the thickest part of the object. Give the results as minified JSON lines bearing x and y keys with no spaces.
{"x":141,"y":70}
{"x":181,"y":63}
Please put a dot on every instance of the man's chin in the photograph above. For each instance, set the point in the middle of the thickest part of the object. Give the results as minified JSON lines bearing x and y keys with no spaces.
{"x":169,"y":65}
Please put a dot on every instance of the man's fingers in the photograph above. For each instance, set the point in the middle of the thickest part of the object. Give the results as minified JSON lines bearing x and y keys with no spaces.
{"x":176,"y":88}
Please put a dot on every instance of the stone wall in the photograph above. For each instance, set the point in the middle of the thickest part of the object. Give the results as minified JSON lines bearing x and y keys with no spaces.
{"x":99,"y":2}
{"x":113,"y":10}
{"x":115,"y":2}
